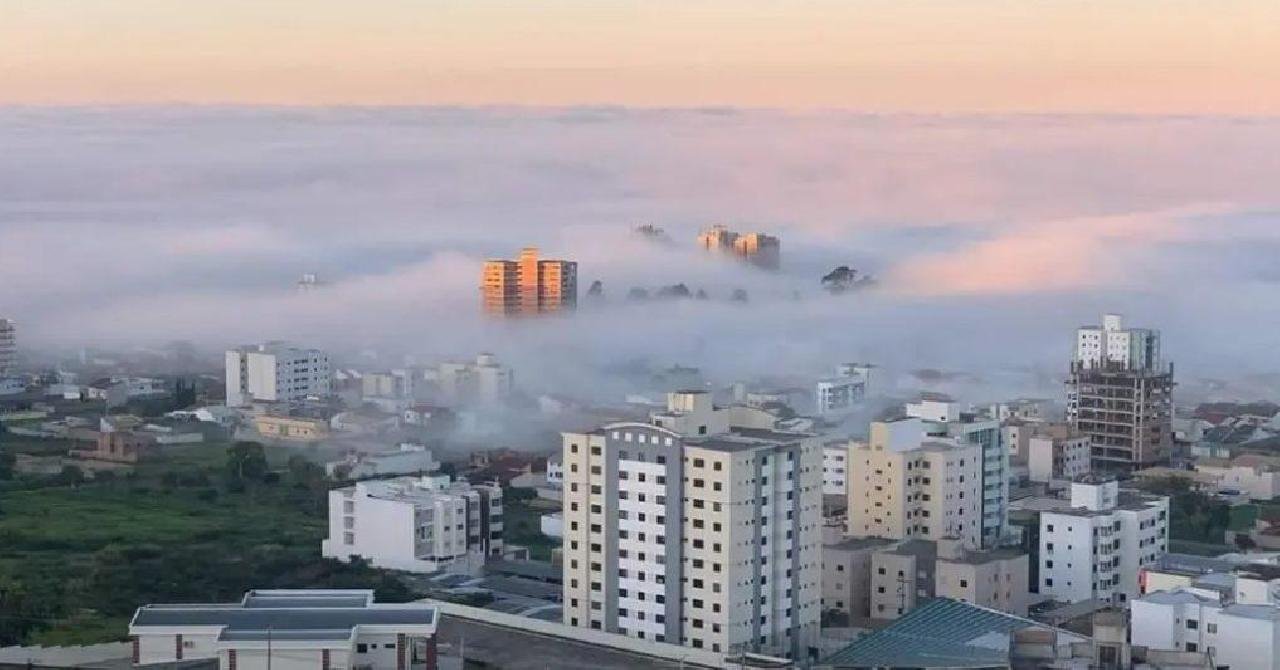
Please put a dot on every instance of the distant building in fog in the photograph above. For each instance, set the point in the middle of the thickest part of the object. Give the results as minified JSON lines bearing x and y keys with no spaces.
{"x":529,"y":286}
{"x":761,"y":250}
{"x":8,"y":347}
{"x":839,"y":394}
{"x":484,"y":380}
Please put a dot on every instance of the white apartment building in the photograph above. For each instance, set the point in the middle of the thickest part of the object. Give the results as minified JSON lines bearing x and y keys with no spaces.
{"x":1099,"y":545}
{"x":294,"y":629}
{"x":276,"y":372}
{"x":8,"y":347}
{"x":690,"y":531}
{"x":1235,"y":634}
{"x":835,"y":466}
{"x":907,"y":485}
{"x":840,"y":394}
{"x":944,"y":418}
{"x":418,"y":524}
{"x":483,"y":380}
{"x":1056,"y":452}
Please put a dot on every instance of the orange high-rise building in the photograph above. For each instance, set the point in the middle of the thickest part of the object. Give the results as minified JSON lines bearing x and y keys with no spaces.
{"x":528,"y":285}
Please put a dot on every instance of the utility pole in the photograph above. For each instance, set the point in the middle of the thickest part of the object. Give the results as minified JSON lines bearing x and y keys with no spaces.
{"x":268,"y":646}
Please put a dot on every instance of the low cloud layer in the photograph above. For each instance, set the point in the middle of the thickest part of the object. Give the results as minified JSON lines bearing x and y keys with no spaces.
{"x":993,"y":237}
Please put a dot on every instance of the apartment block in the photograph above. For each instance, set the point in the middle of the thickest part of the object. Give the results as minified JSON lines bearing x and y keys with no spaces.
{"x":1119,"y":393}
{"x":276,"y":372}
{"x":8,"y":347}
{"x":944,"y":418}
{"x":764,"y":251}
{"x":691,"y":531}
{"x":1056,"y":453}
{"x":418,"y":524}
{"x":840,"y":394}
{"x":1098,"y":544}
{"x":906,"y":485}
{"x":885,"y":579}
{"x":846,"y":575}
{"x":528,"y":285}
{"x":997,"y":578}
{"x":485,"y":380}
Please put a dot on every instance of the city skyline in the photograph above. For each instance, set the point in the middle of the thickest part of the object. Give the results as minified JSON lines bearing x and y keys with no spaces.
{"x":936,"y":57}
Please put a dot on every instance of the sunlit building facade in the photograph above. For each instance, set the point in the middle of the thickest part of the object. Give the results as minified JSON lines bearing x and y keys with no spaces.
{"x":529,"y":285}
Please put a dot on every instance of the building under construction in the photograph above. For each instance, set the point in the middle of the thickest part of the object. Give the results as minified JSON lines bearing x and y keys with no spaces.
{"x":1120,"y":394}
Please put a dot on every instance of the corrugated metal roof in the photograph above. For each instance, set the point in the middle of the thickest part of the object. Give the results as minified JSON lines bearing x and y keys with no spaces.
{"x":942,"y":633}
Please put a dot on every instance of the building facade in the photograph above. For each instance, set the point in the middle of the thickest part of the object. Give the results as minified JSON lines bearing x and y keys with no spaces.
{"x":418,"y":524}
{"x":1119,"y":393}
{"x":997,"y":579}
{"x":1099,"y":545}
{"x":840,"y":394}
{"x":1232,"y":634}
{"x":1056,"y":452}
{"x":276,"y":372}
{"x":905,"y":485}
{"x":528,"y":285}
{"x":8,"y":347}
{"x":943,"y":418}
{"x":764,"y":251}
{"x":485,"y":380}
{"x":835,"y":466}
{"x":689,"y":531}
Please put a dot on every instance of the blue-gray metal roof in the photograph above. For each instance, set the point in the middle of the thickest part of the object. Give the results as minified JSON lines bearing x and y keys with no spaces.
{"x":942,"y":633}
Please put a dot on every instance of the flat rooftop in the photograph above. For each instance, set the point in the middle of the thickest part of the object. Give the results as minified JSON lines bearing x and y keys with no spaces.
{"x":288,"y":615}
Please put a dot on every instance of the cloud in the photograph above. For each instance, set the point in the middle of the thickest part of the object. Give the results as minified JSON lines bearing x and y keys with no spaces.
{"x":994,"y":237}
{"x":1055,"y":256}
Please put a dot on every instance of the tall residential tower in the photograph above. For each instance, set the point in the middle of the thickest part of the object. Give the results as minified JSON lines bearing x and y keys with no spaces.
{"x":529,"y":285}
{"x":692,"y":531}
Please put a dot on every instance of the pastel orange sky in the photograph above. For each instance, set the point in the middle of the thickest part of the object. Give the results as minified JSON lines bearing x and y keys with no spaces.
{"x":945,"y":56}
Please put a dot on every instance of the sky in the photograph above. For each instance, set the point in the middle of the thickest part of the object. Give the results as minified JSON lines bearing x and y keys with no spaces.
{"x":930,"y":56}
{"x":1007,"y":169}
{"x":993,"y":237}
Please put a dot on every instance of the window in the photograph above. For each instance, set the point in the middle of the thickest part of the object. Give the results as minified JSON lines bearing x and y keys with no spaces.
{"x":362,"y":648}
{"x":1212,"y":628}
{"x":1192,"y":624}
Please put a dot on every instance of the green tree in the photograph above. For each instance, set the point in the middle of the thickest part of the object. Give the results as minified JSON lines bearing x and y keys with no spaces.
{"x":246,"y":462}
